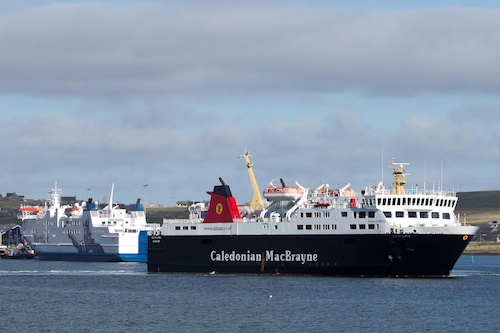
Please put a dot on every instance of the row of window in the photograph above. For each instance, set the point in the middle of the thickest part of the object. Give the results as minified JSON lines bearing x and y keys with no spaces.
{"x":370,"y":226}
{"x":185,"y":227}
{"x":317,"y":227}
{"x":361,"y":215}
{"x":415,"y":201}
{"x":422,"y":215}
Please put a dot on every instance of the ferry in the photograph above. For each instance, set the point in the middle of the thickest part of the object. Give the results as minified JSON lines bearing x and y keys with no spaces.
{"x":85,"y":231}
{"x":378,"y":232}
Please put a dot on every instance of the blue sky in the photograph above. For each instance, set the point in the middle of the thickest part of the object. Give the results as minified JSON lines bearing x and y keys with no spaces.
{"x":169,"y":94}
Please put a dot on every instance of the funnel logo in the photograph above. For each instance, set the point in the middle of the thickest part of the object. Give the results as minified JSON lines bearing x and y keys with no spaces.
{"x":219,"y":208}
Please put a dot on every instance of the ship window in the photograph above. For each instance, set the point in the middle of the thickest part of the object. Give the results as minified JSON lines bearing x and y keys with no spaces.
{"x":193,"y":228}
{"x":300,"y":227}
{"x":435,"y":215}
{"x":352,"y":226}
{"x":379,"y":201}
{"x":317,"y":227}
{"x":371,"y":215}
{"x":334,"y":227}
{"x":185,"y":227}
{"x":399,"y":202}
{"x":424,"y":215}
{"x":427,"y":202}
{"x":371,"y":226}
{"x":400,"y":214}
{"x":446,"y":216}
{"x":362,"y":226}
{"x":177,"y":227}
{"x":327,"y":214}
{"x":309,"y":214}
{"x":308,"y":227}
{"x":404,"y":201}
{"x":412,"y":214}
{"x":388,"y":214}
{"x":326,"y":226}
{"x":343,"y":214}
{"x":362,"y":215}
{"x":384,"y":201}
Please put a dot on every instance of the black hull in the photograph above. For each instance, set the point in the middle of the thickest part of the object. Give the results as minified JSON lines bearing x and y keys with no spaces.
{"x":348,"y":255}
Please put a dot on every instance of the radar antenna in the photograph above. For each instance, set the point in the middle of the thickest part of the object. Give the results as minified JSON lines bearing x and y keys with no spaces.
{"x":399,"y":177}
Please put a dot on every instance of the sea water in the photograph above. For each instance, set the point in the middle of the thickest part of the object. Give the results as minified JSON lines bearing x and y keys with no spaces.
{"x":51,"y":296}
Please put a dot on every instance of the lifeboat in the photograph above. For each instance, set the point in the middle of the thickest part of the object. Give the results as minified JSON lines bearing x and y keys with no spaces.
{"x":30,"y":212}
{"x":72,"y":211}
{"x":283,"y":193}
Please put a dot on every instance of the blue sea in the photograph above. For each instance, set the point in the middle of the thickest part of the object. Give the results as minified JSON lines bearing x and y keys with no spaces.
{"x":50,"y":296}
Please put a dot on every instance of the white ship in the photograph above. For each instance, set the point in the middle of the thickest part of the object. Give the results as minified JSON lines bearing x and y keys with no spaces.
{"x":379,"y":232}
{"x":84,"y":231}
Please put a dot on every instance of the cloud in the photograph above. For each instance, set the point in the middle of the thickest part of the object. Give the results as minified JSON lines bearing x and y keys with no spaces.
{"x":130,"y":49}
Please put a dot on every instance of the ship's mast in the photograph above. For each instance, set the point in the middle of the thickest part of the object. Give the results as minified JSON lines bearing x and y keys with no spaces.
{"x":256,"y":203}
{"x":399,"y":177}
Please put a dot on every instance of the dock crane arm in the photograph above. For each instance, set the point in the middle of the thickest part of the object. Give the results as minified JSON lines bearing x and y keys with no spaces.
{"x":256,"y":203}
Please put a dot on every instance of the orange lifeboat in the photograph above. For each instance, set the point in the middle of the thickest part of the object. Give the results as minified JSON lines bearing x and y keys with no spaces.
{"x":72,"y":211}
{"x":29,"y":212}
{"x":283,"y":193}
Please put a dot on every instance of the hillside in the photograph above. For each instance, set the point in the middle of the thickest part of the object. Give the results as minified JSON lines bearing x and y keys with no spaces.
{"x":479,"y":207}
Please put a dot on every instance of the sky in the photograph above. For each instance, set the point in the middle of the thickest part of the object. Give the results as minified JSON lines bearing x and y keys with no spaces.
{"x":170,"y":94}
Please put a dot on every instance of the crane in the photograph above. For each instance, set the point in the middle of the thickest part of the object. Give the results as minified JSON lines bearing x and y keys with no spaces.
{"x":256,"y":203}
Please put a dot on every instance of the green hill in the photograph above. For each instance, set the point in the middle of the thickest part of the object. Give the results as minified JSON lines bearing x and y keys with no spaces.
{"x":478,"y":207}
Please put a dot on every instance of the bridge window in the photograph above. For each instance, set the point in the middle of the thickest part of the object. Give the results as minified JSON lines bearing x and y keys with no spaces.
{"x":412,"y":215}
{"x":388,"y":214}
{"x":400,"y":214}
{"x":424,"y":215}
{"x":435,"y":215}
{"x":446,"y":216}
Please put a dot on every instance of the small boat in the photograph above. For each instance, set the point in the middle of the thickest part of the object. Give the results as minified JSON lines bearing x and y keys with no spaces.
{"x":283,"y":193}
{"x":19,"y":252}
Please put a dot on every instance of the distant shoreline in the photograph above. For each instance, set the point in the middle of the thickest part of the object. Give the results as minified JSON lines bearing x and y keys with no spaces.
{"x":483,"y":248}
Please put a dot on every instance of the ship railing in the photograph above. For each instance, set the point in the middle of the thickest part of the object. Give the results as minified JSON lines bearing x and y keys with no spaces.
{"x":172,"y":221}
{"x":415,"y":191}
